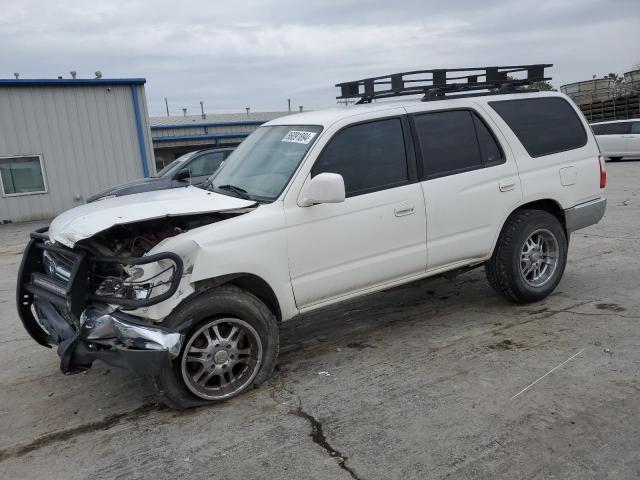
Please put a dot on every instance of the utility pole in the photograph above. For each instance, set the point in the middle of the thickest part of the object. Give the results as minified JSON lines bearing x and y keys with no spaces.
{"x":247,"y":109}
{"x":202,"y":110}
{"x":166,"y":104}
{"x":300,"y":107}
{"x":289,"y":102}
{"x":184,"y":112}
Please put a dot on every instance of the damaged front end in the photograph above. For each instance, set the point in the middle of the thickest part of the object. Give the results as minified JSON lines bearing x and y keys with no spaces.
{"x":77,"y":299}
{"x":102,"y":277}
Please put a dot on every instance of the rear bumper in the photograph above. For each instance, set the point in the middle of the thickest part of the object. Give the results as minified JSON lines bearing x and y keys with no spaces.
{"x":585,"y":214}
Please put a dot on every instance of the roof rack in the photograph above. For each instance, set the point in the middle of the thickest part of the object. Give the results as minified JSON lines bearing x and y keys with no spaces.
{"x":494,"y":79}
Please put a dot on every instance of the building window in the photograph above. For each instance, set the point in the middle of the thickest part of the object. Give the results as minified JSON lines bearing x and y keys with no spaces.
{"x":22,"y":175}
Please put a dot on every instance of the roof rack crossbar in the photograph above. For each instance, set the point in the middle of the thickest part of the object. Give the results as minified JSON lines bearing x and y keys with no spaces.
{"x":442,"y":82}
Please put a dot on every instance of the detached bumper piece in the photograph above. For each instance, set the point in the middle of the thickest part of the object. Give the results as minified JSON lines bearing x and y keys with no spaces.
{"x":56,"y":306}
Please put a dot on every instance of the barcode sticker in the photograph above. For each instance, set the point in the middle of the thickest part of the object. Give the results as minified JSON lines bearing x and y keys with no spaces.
{"x":298,"y":136}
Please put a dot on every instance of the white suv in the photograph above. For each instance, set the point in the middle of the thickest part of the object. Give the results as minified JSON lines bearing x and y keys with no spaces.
{"x":618,"y":138}
{"x":187,"y":286}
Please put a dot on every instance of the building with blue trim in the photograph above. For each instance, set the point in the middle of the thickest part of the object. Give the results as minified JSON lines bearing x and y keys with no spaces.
{"x":176,"y":135}
{"x":62,"y":140}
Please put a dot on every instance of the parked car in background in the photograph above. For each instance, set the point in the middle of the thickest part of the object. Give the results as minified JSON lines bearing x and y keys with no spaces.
{"x":619,"y":138}
{"x":192,"y":168}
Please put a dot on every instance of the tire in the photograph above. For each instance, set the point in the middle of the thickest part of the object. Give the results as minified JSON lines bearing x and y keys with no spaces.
{"x":224,"y":363}
{"x":615,"y":159}
{"x":512,"y":271}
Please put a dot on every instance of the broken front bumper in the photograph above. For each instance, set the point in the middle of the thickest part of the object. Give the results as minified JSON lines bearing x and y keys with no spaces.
{"x":63,"y":313}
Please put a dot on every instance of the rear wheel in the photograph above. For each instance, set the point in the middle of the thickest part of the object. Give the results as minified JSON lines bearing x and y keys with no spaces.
{"x":232,"y":345}
{"x":529,"y":259}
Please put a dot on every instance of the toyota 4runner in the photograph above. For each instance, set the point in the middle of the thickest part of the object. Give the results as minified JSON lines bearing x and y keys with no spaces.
{"x":187,"y":286}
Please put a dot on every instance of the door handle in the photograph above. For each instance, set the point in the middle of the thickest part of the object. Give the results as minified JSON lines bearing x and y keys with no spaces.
{"x":401,"y":211}
{"x":507,"y":185}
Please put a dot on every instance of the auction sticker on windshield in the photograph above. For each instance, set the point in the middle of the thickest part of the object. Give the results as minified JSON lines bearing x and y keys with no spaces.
{"x":299,"y":136}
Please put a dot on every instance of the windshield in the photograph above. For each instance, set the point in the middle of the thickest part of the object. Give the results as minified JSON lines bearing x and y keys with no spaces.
{"x":260,"y":168}
{"x":174,"y":166}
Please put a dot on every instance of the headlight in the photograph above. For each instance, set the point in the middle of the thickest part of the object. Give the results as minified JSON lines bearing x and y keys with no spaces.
{"x":137,"y":281}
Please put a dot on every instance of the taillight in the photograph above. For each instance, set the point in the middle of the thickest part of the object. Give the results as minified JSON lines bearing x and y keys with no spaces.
{"x":603,"y":172}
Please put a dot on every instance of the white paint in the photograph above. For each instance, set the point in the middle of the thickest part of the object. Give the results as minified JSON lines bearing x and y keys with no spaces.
{"x":323,"y":188}
{"x":313,"y":256}
{"x":568,"y":176}
{"x":87,"y":220}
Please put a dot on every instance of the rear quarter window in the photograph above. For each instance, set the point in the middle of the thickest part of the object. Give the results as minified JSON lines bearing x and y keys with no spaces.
{"x":543,"y":125}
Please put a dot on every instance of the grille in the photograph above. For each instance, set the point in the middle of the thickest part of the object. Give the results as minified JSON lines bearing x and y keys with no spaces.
{"x":57,"y":265}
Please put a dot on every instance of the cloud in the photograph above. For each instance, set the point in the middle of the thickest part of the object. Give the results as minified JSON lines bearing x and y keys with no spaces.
{"x":258,"y":54}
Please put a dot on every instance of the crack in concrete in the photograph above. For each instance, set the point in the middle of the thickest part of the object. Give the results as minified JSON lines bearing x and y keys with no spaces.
{"x":317,"y":433}
{"x":614,"y":237}
{"x":14,"y":339}
{"x":602,"y":314}
{"x":492,"y":331}
{"x":64,"y":435}
{"x":318,"y":437}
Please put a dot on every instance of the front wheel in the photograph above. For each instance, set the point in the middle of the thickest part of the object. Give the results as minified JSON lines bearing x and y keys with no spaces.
{"x":530,"y":257}
{"x":232,"y":345}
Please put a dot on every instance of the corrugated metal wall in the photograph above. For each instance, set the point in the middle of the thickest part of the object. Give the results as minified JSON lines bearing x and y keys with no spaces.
{"x":87,"y":138}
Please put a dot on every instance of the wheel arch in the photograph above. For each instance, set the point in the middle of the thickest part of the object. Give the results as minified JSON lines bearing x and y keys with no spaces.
{"x":548,"y":205}
{"x":249,"y":282}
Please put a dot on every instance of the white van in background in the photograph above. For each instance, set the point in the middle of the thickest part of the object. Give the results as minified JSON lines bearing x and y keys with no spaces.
{"x":619,"y":138}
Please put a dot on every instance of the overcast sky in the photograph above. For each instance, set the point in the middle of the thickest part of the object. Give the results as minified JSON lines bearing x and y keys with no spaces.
{"x":233,"y":54}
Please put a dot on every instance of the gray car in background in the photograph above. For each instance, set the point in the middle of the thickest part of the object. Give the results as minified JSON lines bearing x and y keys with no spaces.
{"x":192,"y":168}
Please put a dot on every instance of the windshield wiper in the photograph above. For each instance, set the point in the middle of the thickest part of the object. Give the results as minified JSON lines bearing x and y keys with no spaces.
{"x":241,"y":192}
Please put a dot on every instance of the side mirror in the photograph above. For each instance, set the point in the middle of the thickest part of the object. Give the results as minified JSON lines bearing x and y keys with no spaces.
{"x":323,"y":188}
{"x":183,"y":175}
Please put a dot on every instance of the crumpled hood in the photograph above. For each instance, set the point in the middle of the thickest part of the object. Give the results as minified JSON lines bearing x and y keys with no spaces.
{"x":87,"y":220}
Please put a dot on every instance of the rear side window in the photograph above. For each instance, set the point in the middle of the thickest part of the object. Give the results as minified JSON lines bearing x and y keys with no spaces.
{"x":635,"y":128}
{"x":543,"y":125}
{"x":599,"y":129}
{"x":370,"y":156}
{"x":454,"y":142}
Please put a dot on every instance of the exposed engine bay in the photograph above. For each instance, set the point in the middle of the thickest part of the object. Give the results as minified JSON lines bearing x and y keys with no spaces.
{"x":119,"y":269}
{"x":136,"y":239}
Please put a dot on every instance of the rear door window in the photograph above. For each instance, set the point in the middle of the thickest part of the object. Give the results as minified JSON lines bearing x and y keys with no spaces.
{"x":453,"y":142}
{"x":448,"y":143}
{"x":635,"y":128}
{"x":544,"y":125}
{"x":599,"y":129}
